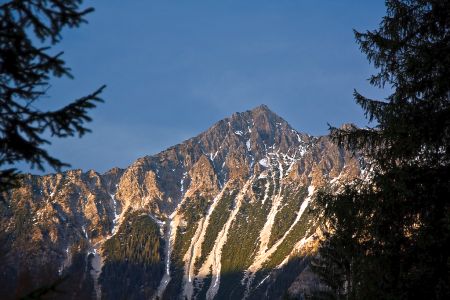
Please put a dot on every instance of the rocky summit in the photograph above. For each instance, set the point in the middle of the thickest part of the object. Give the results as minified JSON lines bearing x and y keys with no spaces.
{"x":223,"y":215}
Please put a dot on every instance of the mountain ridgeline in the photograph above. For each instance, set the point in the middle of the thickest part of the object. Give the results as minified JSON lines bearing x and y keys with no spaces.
{"x":223,"y":215}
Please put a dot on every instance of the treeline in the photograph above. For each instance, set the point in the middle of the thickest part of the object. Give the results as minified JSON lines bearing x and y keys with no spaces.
{"x":134,"y":263}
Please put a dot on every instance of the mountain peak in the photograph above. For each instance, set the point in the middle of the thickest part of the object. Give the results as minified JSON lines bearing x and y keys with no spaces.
{"x":261,"y":107}
{"x":259,"y":117}
{"x":256,"y":111}
{"x":250,"y":134}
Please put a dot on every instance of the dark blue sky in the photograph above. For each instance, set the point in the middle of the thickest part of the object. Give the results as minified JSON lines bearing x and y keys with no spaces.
{"x":173,"y":68}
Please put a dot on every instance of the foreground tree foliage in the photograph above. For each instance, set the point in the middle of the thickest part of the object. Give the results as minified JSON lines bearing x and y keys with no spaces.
{"x":390,"y":238}
{"x":28,"y":29}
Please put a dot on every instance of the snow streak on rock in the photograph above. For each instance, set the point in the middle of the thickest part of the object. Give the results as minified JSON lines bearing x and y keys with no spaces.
{"x":167,"y":251}
{"x":264,"y":252}
{"x":303,"y":206}
{"x":172,"y":223}
{"x":215,"y":257}
{"x":195,"y":248}
{"x":116,"y":215}
{"x":264,"y":235}
{"x":264,"y":255}
{"x":266,"y":192}
{"x":97,"y":264}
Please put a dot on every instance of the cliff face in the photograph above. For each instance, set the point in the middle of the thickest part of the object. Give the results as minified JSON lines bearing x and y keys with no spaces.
{"x":224,"y":214}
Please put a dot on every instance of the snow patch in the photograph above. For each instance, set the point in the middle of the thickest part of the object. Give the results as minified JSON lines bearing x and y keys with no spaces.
{"x":116,"y":215}
{"x":266,"y":192}
{"x":302,"y":150}
{"x":83,"y":227}
{"x":182,"y":182}
{"x":262,"y":176}
{"x":263,"y":162}
{"x":262,"y":281}
{"x":213,"y":156}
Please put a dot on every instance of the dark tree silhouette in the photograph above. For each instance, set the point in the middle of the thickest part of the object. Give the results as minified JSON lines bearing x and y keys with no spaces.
{"x":28,"y":29}
{"x":389,"y":238}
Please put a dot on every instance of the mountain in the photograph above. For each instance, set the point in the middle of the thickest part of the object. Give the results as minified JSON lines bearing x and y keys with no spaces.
{"x":222,"y":215}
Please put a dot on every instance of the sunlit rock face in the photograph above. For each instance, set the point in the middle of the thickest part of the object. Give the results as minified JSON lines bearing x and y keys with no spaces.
{"x":222,"y":215}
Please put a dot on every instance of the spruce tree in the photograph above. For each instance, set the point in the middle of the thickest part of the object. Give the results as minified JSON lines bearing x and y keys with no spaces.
{"x":28,"y":30}
{"x":388,"y":237}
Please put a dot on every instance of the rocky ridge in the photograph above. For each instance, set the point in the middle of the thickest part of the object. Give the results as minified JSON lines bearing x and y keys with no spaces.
{"x":224,"y":214}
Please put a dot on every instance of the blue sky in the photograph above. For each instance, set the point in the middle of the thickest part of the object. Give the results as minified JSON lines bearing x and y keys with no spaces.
{"x":173,"y":68}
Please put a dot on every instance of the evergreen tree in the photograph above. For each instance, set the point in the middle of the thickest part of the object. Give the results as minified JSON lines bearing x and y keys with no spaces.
{"x":389,"y":238}
{"x":28,"y":29}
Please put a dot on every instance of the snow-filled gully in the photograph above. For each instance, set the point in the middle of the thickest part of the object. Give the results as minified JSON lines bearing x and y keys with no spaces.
{"x":214,"y":258}
{"x":274,"y":162}
{"x":168,"y":251}
{"x":195,"y":247}
{"x":171,"y":225}
{"x":264,"y":252}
